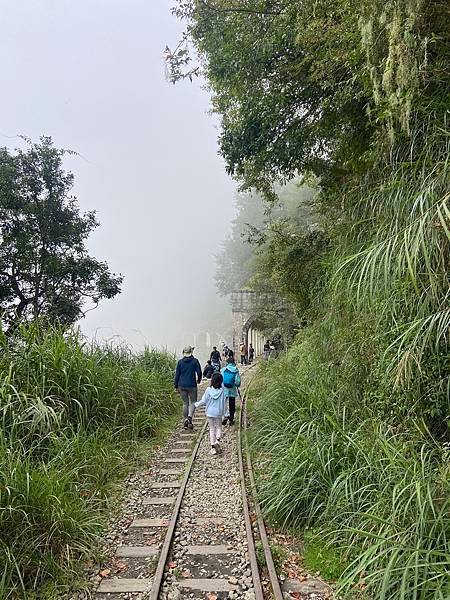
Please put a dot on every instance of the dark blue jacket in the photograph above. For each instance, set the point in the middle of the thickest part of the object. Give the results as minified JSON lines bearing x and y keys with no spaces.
{"x":187,"y":368}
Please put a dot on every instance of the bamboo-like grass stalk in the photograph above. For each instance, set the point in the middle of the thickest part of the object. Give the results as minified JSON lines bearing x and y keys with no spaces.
{"x":378,"y":492}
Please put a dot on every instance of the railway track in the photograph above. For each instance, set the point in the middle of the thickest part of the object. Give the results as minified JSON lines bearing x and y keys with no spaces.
{"x":193,"y":536}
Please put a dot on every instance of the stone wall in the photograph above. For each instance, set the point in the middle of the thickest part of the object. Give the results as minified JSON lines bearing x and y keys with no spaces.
{"x":245,"y":326}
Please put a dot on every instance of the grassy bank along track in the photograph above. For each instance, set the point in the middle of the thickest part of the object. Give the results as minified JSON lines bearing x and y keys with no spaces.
{"x":74,"y":420}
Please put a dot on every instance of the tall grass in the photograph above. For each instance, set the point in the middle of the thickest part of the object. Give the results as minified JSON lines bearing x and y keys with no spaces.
{"x":353,"y":425}
{"x":401,"y":231}
{"x":72,"y":417}
{"x":379,"y":493}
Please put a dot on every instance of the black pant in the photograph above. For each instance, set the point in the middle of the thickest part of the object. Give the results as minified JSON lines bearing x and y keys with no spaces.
{"x":232,"y":407}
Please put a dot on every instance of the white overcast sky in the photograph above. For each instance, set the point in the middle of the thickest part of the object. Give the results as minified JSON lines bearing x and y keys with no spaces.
{"x":90,"y":73}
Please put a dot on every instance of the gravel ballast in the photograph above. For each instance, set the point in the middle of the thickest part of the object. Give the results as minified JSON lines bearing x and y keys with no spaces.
{"x":211,"y":515}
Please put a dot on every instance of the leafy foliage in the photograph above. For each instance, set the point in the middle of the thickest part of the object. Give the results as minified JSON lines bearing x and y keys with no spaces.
{"x":377,"y":493}
{"x":268,"y":251}
{"x":235,"y":263}
{"x":405,"y":258}
{"x":45,"y":269}
{"x":72,"y":420}
{"x":290,"y":102}
{"x":353,"y":425}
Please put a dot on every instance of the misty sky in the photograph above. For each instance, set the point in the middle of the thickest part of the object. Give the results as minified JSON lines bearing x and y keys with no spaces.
{"x":90,"y":74}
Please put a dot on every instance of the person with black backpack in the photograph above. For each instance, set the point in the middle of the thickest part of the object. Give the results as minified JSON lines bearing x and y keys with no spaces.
{"x":208,"y":370}
{"x":231,"y":382}
{"x":215,"y":359}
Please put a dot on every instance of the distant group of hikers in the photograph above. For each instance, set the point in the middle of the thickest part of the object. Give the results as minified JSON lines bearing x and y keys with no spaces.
{"x":220,"y":397}
{"x":215,"y":360}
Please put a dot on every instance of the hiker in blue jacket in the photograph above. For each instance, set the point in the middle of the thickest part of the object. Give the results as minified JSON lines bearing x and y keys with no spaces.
{"x":187,"y":375}
{"x":231,"y":382}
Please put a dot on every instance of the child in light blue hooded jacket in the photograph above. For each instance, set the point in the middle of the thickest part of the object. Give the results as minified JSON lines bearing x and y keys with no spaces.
{"x":214,"y":401}
{"x":231,"y":382}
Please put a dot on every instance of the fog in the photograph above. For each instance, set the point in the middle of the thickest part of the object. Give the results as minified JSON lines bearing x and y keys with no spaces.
{"x":90,"y":73}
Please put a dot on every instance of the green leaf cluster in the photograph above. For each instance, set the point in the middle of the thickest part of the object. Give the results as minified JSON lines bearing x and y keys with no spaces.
{"x":45,"y":269}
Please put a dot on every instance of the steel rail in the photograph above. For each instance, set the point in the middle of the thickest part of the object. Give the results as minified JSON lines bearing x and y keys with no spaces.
{"x":165,"y":550}
{"x":259,"y":595}
{"x":274,"y":582}
{"x":164,"y":554}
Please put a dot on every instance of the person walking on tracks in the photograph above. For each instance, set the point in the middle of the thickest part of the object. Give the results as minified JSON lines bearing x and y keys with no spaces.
{"x":244,"y":352}
{"x":251,"y":354}
{"x":214,"y":400}
{"x":187,"y":375}
{"x":215,"y":358}
{"x":231,"y":381}
{"x":208,"y":370}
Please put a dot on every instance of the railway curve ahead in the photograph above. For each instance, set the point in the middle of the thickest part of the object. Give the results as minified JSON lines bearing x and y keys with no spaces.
{"x":187,"y":531}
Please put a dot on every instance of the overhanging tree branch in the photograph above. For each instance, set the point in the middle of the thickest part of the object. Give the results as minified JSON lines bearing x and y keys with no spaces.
{"x":235,"y":9}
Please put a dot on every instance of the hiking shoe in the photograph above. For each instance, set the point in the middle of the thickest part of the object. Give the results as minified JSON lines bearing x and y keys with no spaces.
{"x":225,"y":421}
{"x":185,"y":424}
{"x":213,"y":451}
{"x":217,"y":447}
{"x":190,"y":424}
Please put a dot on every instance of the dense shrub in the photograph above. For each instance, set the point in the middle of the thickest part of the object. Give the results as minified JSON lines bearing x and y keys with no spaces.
{"x":376,"y":488}
{"x":72,"y":416}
